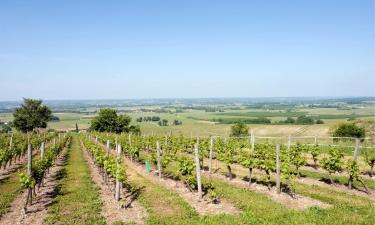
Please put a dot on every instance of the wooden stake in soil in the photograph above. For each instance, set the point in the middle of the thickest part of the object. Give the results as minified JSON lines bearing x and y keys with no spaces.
{"x":197,"y":165}
{"x":42,"y":148}
{"x":210,"y":156}
{"x":278,"y":168}
{"x":158,"y":155}
{"x":118,"y":185}
{"x":355,"y":156}
{"x":29,"y":163}
{"x":107,"y":148}
{"x":96,"y":139}
{"x":10,"y":148}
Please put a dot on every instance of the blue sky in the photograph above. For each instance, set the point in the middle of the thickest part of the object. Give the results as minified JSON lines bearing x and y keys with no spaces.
{"x":167,"y":49}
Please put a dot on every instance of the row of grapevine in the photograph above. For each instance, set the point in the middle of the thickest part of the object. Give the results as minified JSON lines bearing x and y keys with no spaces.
{"x":262,"y":156}
{"x":111,"y":168}
{"x":37,"y":169}
{"x":162,"y":152}
{"x":14,"y":146}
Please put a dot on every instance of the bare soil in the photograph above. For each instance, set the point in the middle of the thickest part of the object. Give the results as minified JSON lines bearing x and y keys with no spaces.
{"x":112,"y":210}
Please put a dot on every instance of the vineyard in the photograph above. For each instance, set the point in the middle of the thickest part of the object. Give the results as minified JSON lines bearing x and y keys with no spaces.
{"x":148,"y":179}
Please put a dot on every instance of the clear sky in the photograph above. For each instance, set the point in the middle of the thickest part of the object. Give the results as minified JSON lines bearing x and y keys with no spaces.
{"x":172,"y":49}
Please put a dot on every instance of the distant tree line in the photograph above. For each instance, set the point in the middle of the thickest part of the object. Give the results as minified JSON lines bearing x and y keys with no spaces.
{"x":148,"y":119}
{"x":301,"y":120}
{"x":165,"y":122}
{"x":304,"y":120}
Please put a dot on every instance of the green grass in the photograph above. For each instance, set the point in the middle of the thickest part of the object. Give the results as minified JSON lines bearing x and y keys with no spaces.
{"x":9,"y":189}
{"x":77,"y":201}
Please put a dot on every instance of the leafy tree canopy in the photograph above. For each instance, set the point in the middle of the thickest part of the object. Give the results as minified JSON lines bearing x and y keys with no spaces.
{"x":109,"y":121}
{"x":239,"y":129}
{"x":31,"y":115}
{"x":349,"y":130}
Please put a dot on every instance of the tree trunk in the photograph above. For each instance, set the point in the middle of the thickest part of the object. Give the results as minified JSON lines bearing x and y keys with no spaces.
{"x":330,"y":178}
{"x":230,"y":172}
{"x":268,"y":180}
{"x":350,"y":182}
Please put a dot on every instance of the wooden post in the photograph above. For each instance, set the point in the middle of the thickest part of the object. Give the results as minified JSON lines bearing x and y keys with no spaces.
{"x":158,"y":155}
{"x":42,"y":147}
{"x":117,"y":194}
{"x":10,"y":148}
{"x":54,"y":142}
{"x":355,"y":156}
{"x":210,"y":156}
{"x":130,"y":139}
{"x":198,"y":168}
{"x":108,"y":148}
{"x":356,"y":148}
{"x":29,"y":172}
{"x":315,"y":140}
{"x":96,"y":139}
{"x":278,"y":168}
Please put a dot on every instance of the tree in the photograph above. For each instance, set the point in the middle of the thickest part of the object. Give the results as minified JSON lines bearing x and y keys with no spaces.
{"x":319,"y":121}
{"x":349,"y":130}
{"x":290,"y":120}
{"x":305,"y":120}
{"x":163,"y":122}
{"x":109,"y":121}
{"x":239,"y":129}
{"x":31,"y":115}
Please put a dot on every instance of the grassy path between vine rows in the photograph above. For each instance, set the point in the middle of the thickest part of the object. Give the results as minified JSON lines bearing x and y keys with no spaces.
{"x":10,"y":187}
{"x":77,"y":201}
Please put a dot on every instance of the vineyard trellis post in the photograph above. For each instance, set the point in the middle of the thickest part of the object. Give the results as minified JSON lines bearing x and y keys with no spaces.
{"x":355,"y":156}
{"x":42,"y":148}
{"x":96,"y":139}
{"x":54,"y":142}
{"x":117,"y":193}
{"x":210,"y":156}
{"x":29,"y":197}
{"x":198,"y":170}
{"x":158,"y":158}
{"x":10,"y":148}
{"x":107,"y":155}
{"x":107,"y":148}
{"x":278,"y":168}
{"x":356,"y":149}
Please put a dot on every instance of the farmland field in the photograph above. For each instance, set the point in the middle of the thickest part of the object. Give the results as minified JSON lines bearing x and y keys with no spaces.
{"x":302,"y":192}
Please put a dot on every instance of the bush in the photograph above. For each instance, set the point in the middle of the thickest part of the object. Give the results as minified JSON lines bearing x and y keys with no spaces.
{"x":349,"y":130}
